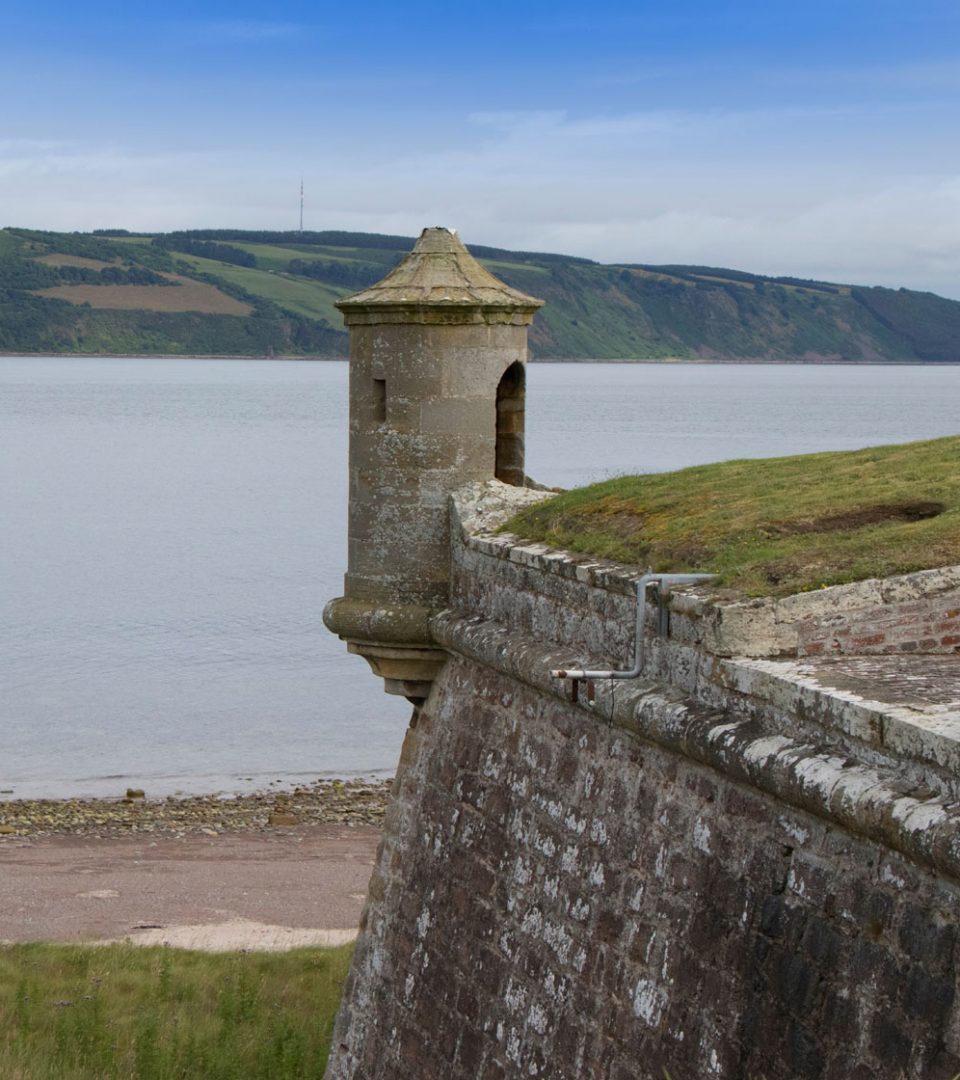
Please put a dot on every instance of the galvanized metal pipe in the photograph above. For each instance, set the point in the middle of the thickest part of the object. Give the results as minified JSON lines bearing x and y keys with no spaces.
{"x":648,"y":579}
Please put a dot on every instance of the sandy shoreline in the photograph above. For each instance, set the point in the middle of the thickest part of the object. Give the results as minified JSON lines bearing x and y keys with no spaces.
{"x":273,"y":870}
{"x":276,"y":888}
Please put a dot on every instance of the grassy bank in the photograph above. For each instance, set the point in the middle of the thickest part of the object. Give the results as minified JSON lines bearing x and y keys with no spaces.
{"x":772,"y":527}
{"x":117,"y":1011}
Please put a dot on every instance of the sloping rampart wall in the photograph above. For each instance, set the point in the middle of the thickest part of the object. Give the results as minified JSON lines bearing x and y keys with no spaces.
{"x":700,"y":874}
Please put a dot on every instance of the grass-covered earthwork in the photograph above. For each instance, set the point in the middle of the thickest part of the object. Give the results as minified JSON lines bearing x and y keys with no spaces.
{"x":772,"y":527}
{"x":77,"y":1012}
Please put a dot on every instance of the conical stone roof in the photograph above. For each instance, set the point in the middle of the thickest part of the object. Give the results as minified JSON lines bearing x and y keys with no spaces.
{"x":439,"y":272}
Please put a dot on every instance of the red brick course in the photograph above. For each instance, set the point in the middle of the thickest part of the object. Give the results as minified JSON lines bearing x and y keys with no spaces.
{"x":931,"y":625}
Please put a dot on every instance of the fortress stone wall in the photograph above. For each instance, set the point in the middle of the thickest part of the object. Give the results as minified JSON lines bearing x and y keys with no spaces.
{"x":744,"y":864}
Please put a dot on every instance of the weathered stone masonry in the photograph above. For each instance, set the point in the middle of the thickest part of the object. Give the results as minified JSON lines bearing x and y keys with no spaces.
{"x":743,"y":864}
{"x":727,"y":869}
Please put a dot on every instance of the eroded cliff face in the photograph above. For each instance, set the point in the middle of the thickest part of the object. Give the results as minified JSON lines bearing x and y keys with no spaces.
{"x":727,"y":868}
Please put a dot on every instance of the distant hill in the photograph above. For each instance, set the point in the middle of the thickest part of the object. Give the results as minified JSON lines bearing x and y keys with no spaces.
{"x":239,"y":293}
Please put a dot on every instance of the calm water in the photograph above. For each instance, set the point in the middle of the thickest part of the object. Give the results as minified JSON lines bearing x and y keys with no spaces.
{"x":171,"y":530}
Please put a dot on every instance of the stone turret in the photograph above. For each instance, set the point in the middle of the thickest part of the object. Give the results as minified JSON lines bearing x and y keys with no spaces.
{"x":437,"y":354}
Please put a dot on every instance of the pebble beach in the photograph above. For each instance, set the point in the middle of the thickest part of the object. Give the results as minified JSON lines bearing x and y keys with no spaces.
{"x":343,"y":802}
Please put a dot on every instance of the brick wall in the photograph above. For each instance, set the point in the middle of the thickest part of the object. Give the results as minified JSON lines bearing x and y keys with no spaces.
{"x":927,"y":625}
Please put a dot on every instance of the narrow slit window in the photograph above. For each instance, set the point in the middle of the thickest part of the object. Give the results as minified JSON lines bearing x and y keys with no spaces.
{"x":379,"y":401}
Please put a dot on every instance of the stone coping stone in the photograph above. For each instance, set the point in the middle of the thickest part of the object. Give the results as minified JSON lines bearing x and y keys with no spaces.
{"x":873,"y":798}
{"x":479,"y":509}
{"x":907,"y":706}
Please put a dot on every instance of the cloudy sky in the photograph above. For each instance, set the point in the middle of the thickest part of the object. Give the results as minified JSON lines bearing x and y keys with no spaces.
{"x":817,"y":139}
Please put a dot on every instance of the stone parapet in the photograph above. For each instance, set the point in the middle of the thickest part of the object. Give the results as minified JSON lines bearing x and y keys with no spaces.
{"x":873,"y":799}
{"x":911,"y":613}
{"x":905,"y":707}
{"x":899,"y":713}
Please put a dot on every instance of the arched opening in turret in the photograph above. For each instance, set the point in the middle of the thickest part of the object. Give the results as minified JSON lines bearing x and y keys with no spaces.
{"x":510,"y":404}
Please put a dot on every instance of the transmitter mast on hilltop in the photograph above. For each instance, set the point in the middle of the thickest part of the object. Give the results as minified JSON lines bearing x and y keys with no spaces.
{"x":301,"y":204}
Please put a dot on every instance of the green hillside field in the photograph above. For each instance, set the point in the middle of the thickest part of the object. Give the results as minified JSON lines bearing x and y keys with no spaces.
{"x":283,"y":287}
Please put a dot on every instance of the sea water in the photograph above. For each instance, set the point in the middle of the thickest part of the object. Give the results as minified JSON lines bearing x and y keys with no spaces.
{"x":171,"y":529}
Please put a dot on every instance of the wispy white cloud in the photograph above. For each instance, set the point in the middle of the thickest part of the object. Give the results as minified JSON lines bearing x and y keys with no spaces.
{"x":814,"y":192}
{"x":561,"y":125}
{"x":54,"y":184}
{"x":536,"y":124}
{"x":778,"y":191}
{"x":727,"y":74}
{"x":58,"y":158}
{"x":26,"y":146}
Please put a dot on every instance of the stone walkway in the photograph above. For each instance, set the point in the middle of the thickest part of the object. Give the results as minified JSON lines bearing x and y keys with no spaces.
{"x":921,"y":682}
{"x":907,"y":707}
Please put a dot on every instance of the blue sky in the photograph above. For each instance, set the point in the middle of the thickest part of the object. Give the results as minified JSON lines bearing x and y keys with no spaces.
{"x":816,"y":139}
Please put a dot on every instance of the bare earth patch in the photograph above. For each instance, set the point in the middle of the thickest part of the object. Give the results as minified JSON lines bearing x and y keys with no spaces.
{"x":187,"y":296}
{"x":74,"y":260}
{"x":233,"y":935}
{"x":857,"y":519}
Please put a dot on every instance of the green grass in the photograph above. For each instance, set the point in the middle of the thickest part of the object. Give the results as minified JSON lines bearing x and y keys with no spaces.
{"x":499,"y":266}
{"x":268,"y":256}
{"x":275,"y":257}
{"x":310,"y":298}
{"x":772,"y":527}
{"x":8,"y":243}
{"x":117,"y":1011}
{"x":327,"y":252}
{"x":378,"y":256}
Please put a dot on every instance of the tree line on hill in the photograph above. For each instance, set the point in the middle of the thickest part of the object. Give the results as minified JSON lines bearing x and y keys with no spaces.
{"x":348,"y":275}
{"x":593,"y":311}
{"x":20,"y":273}
{"x":373,"y":242}
{"x":206,"y":249}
